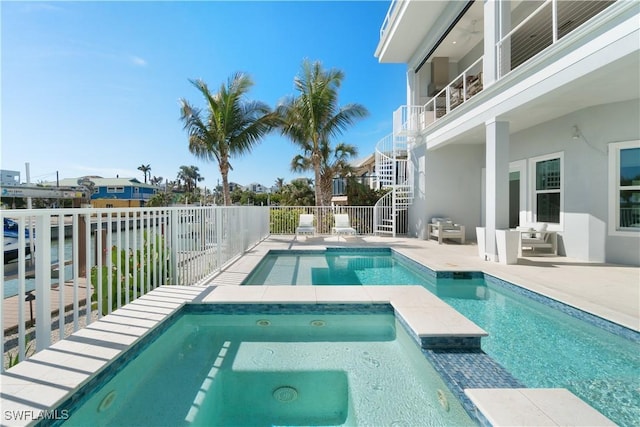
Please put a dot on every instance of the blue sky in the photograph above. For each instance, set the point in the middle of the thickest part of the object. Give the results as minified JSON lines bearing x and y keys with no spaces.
{"x":92,"y":88}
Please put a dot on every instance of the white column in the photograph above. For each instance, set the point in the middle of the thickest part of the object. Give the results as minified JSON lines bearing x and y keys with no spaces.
{"x":497,"y":23}
{"x":497,"y":183}
{"x":413,"y":85}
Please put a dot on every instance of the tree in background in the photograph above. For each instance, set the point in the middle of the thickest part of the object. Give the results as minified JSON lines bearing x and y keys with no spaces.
{"x":312,"y":118}
{"x":146,"y":170}
{"x":299,"y":192}
{"x":360,"y":194}
{"x":229,"y":126}
{"x":279,"y":183}
{"x":335,"y":163}
{"x":156,"y":180}
{"x":161,"y":199}
{"x":190,"y":177}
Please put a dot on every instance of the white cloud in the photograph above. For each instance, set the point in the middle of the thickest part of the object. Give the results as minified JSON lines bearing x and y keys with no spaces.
{"x":136,"y":60}
{"x":40,"y":7}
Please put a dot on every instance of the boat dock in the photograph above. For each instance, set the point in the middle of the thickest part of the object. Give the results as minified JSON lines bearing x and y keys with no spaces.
{"x":11,"y":305}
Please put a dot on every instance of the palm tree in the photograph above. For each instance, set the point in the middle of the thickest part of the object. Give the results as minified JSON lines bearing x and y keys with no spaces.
{"x":298,"y":192}
{"x":190,"y":176}
{"x":312,"y":118}
{"x":156,"y":180}
{"x":335,"y":164}
{"x":145,"y":169}
{"x":279,"y":183}
{"x":230,"y":125}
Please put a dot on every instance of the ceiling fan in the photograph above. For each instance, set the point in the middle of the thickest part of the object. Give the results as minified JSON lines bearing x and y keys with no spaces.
{"x":465,"y":34}
{"x":472,"y":31}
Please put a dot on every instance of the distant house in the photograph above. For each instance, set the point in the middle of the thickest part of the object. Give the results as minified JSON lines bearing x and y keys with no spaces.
{"x":234,"y":185}
{"x":114,"y":192}
{"x":257,"y":188}
{"x":364,"y":172}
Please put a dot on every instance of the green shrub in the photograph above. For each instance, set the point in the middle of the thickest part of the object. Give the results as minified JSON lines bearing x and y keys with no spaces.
{"x":138,"y":268}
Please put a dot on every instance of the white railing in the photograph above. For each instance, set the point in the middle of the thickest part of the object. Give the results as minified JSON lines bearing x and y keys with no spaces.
{"x":538,"y":43}
{"x":385,"y":161}
{"x":285,"y":219}
{"x":458,"y":91}
{"x":390,"y":212}
{"x":384,"y":214}
{"x":111,"y":257}
{"x":389,"y":17}
{"x":544,"y":27}
{"x":630,"y":218}
{"x":406,"y":119}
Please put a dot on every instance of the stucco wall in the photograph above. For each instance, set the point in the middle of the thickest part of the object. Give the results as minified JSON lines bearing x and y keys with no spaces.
{"x":447,"y":185}
{"x":448,"y":180}
{"x":584,"y":232}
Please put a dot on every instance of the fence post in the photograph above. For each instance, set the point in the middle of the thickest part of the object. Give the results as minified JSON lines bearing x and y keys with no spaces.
{"x":174,"y":214}
{"x":219,"y":211}
{"x":43,"y":282}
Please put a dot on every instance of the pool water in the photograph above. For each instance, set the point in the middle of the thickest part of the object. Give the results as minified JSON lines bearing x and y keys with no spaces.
{"x":334,"y":267}
{"x":539,"y":345}
{"x":543,"y":347}
{"x":264,"y":369}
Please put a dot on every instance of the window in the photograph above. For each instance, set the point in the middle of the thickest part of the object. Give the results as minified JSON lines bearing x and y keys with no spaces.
{"x":115,"y":189}
{"x":548,"y":189}
{"x":624,"y":187}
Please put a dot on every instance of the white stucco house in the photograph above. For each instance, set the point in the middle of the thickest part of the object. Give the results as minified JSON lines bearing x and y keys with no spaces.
{"x":522,"y":113}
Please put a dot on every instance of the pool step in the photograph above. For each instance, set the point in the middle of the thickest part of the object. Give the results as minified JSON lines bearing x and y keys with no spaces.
{"x":535,"y":407}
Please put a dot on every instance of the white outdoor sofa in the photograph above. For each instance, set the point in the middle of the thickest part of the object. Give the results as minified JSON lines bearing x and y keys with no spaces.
{"x":535,"y":238}
{"x":444,"y":228}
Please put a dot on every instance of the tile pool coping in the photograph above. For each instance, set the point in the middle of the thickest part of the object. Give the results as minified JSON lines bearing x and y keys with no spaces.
{"x":48,"y":378}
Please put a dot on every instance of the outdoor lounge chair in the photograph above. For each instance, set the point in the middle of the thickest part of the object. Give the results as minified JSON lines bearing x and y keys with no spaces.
{"x":342,"y":225}
{"x":305,"y":225}
{"x":444,"y":228}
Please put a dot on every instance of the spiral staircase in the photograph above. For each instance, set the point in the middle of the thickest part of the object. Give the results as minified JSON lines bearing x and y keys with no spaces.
{"x":391,"y":155}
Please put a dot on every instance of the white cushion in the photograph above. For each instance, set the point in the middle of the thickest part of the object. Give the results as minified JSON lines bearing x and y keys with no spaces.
{"x":437,"y":219}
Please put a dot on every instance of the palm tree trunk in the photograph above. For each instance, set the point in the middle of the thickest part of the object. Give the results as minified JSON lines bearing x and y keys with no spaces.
{"x":224,"y":171}
{"x":318,"y":187}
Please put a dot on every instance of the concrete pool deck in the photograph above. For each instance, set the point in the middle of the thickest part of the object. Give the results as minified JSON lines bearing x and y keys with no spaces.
{"x":39,"y":383}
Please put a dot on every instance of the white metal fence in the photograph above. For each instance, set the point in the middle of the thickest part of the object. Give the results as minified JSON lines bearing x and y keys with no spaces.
{"x":111,"y":257}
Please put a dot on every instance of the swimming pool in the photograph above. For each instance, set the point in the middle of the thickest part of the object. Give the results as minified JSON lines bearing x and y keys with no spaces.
{"x":542,"y":342}
{"x":334,"y":266}
{"x":271,"y":365}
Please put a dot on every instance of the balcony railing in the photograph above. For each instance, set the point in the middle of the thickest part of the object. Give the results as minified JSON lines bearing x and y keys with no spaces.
{"x":456,"y":93}
{"x":111,"y":257}
{"x":545,"y":26}
{"x":406,"y":119}
{"x":389,"y":17}
{"x":630,"y":218}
